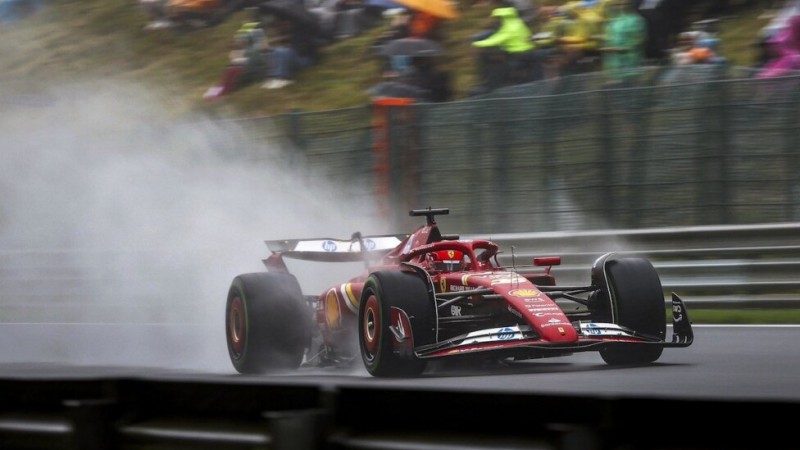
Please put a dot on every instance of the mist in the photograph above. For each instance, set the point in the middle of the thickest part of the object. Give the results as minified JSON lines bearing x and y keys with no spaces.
{"x":119,"y":222}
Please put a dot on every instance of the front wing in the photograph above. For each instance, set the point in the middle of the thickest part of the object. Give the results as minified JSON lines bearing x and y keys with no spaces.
{"x":522,"y":341}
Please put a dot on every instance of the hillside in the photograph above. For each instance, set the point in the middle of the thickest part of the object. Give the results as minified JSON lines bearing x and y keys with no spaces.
{"x":74,"y":41}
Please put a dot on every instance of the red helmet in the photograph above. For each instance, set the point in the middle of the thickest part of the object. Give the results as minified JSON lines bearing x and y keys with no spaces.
{"x":447,"y":260}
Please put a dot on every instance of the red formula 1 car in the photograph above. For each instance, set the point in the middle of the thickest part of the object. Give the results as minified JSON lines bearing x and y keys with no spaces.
{"x":427,"y":296}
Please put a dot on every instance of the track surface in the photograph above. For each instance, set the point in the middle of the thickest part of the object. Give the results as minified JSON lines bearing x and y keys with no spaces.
{"x":725,"y":362}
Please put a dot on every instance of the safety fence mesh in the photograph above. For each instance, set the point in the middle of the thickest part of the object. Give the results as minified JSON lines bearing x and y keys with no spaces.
{"x":699,"y":145}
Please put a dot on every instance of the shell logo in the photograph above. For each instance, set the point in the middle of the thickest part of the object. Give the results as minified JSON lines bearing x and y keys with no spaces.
{"x":524,"y":293}
{"x":333,"y":314}
{"x":352,"y":300}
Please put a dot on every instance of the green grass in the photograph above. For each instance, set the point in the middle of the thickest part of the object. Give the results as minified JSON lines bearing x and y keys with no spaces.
{"x":86,"y":39}
{"x":744,"y":316}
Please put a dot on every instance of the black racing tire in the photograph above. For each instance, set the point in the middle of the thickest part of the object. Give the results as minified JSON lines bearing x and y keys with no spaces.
{"x":268,"y":323}
{"x":382,"y":353}
{"x":637,"y":302}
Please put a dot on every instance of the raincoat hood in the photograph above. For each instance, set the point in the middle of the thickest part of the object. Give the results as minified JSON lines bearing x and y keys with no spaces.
{"x":513,"y":36}
{"x":505,"y":13}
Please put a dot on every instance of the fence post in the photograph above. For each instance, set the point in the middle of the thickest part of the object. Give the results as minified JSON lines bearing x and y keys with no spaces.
{"x":389,"y":180}
{"x":638,"y":110}
{"x":718,"y":109}
{"x":296,"y":130}
{"x":790,"y":149}
{"x":606,"y":157}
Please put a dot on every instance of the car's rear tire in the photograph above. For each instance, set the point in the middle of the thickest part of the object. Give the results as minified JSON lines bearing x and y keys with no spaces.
{"x":267,"y":323}
{"x":400,"y":300}
{"x":634,"y":298}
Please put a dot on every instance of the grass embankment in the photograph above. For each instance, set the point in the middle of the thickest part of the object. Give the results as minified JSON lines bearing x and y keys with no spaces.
{"x":91,"y":39}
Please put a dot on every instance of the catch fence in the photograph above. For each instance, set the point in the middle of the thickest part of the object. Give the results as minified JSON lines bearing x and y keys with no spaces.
{"x":704,"y":146}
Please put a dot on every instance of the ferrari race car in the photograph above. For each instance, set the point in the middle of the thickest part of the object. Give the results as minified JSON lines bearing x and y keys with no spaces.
{"x":428,"y":296}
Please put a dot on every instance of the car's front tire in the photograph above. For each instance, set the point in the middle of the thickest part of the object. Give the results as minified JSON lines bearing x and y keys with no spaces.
{"x":631,"y":296}
{"x":395,"y":315}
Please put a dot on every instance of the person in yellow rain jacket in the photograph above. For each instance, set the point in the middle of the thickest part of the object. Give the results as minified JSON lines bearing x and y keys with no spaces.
{"x":579,"y":36}
{"x":505,"y":52}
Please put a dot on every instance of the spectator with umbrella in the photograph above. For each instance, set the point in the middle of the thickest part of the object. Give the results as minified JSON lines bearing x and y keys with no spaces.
{"x":294,"y":41}
{"x":412,"y":72}
{"x":427,"y":17}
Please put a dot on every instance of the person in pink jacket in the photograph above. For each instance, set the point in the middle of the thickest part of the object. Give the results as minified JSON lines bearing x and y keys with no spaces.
{"x":786,"y":49}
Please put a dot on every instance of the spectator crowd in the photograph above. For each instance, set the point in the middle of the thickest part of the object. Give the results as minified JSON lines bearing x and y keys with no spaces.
{"x":521,"y":41}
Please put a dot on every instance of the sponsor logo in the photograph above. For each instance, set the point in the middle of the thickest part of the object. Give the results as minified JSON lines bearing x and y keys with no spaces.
{"x":505,"y":334}
{"x":442,"y":285}
{"x":350,"y":297}
{"x":505,"y":278}
{"x":455,"y":310}
{"x":329,"y":246}
{"x":677,"y":312}
{"x":542,"y":308}
{"x":369,"y":244}
{"x":333,"y":315}
{"x":591,"y":328}
{"x":456,"y":288}
{"x":400,"y":329}
{"x":543,"y":314}
{"x":561,"y":330}
{"x":535,"y":300}
{"x":524,"y":293}
{"x":554,"y":320}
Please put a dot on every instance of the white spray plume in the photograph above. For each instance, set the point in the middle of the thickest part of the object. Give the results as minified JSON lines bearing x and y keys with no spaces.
{"x":100,"y":189}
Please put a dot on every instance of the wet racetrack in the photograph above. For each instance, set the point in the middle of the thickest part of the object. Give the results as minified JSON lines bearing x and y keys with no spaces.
{"x":725,"y":362}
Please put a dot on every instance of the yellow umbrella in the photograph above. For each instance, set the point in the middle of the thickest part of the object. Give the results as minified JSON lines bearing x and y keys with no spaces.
{"x":201,"y":8}
{"x":444,"y":9}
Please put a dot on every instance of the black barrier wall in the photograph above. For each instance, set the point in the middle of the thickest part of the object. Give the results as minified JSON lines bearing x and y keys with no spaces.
{"x":108,"y":414}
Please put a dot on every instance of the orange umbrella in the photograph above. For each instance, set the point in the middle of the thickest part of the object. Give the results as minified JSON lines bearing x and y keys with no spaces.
{"x":444,"y":9}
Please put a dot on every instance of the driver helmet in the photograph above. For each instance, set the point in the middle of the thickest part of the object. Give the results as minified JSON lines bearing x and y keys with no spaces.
{"x":447,"y":260}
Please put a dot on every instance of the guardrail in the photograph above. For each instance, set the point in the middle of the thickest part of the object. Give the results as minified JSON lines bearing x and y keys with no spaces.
{"x":754,"y":266}
{"x":747,"y":266}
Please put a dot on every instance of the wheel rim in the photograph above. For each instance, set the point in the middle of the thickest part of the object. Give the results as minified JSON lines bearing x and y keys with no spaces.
{"x":371,"y":328}
{"x":236,"y":326}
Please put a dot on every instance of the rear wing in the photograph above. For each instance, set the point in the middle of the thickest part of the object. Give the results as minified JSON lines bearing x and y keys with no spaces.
{"x":336,"y":250}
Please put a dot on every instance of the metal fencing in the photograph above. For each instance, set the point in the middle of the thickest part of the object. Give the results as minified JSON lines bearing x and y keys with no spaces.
{"x":708,"y":145}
